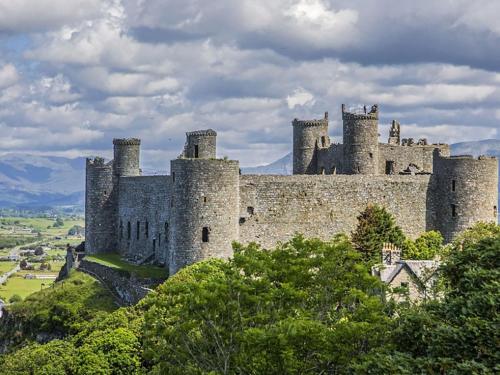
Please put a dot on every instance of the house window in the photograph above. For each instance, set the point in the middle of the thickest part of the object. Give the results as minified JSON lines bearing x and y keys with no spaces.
{"x":205,"y":234}
{"x":389,"y":167}
{"x":404,"y":285}
{"x":138,"y":231}
{"x":196,"y":151}
{"x":129,"y":230}
{"x":453,"y":210}
{"x":453,"y":185}
{"x":146,"y":229}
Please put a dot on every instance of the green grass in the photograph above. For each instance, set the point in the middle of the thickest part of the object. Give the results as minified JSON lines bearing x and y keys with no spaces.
{"x":41,"y":224}
{"x":6,"y":266}
{"x":17,"y":284}
{"x":115,"y":261}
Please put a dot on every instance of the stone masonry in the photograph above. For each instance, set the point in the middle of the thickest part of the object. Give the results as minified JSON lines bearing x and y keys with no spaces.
{"x":204,"y":204}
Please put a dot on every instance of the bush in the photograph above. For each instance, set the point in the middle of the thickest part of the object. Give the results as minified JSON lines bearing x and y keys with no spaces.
{"x":15,"y":298}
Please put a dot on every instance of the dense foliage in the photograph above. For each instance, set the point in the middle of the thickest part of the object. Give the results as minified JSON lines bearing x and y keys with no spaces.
{"x":428,"y":246}
{"x":376,"y":226}
{"x":307,"y":307}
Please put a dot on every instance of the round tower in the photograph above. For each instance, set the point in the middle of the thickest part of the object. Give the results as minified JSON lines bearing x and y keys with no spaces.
{"x":466,"y":192}
{"x":201,"y":144}
{"x":99,"y":207}
{"x":126,"y":157}
{"x":308,"y":136}
{"x":205,"y":210}
{"x":360,"y":134}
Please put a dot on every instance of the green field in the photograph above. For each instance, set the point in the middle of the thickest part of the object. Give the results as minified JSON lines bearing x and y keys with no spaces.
{"x":115,"y":261}
{"x":22,"y":226}
{"x":21,"y":286}
{"x":6,"y":266}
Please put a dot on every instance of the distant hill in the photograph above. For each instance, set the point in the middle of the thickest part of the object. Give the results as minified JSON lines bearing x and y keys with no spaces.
{"x":34,"y":181}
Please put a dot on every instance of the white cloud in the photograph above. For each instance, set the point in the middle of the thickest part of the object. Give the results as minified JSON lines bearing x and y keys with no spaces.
{"x":8,"y":76}
{"x":300,"y":97}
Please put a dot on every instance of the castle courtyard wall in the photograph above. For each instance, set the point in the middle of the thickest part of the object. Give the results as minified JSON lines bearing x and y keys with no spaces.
{"x":273,"y":208}
{"x":144,"y":199}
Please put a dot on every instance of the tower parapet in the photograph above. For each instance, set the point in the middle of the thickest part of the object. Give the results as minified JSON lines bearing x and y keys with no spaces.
{"x":205,"y":210}
{"x":99,"y":207}
{"x":201,"y":144}
{"x":308,"y":136}
{"x":360,"y":133}
{"x":467,"y":192}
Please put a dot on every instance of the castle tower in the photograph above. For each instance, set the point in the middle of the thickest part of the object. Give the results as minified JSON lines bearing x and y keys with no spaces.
{"x":99,"y":207}
{"x":201,"y":144}
{"x":308,"y":136}
{"x":126,"y":157}
{"x":360,"y":133}
{"x":395,"y":133}
{"x":466,"y":192}
{"x":205,"y":210}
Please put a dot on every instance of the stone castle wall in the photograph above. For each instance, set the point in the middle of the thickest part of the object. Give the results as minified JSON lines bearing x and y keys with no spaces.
{"x":144,"y":202}
{"x":273,"y":208}
{"x":403,"y":156}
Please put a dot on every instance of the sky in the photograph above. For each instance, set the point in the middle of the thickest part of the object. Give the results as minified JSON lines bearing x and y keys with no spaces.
{"x":74,"y":74}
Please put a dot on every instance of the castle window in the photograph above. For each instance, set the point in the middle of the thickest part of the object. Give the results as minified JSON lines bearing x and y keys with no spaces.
{"x":250,"y":210}
{"x":323,"y":141}
{"x":453,"y":210}
{"x":495,"y":211}
{"x":453,"y":185}
{"x":129,"y":230}
{"x":138,"y":231}
{"x":389,"y":167}
{"x":204,"y":199}
{"x":121,"y":229}
{"x":173,"y":176}
{"x":146,"y":229}
{"x":166,"y":231}
{"x":196,"y":151}
{"x":205,"y":234}
{"x":371,"y":155}
{"x":242,"y":220}
{"x":154,"y":245}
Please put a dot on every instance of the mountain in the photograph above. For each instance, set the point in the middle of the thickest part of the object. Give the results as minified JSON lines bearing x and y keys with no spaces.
{"x":35,"y":181}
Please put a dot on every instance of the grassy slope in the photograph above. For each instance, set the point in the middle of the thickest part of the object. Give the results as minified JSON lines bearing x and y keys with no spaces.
{"x":114,"y":261}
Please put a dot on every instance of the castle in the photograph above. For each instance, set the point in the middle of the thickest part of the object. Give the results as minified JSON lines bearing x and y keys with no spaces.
{"x":205,"y":203}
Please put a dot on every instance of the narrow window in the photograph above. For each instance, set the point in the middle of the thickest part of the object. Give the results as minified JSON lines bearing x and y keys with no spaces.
{"x":371,"y":155}
{"x":159,"y":239}
{"x":129,"y":230}
{"x":204,"y":199}
{"x":389,"y":167}
{"x":138,"y":231}
{"x":121,"y":229}
{"x":323,"y":141}
{"x":166,"y":231}
{"x":204,"y":234}
{"x":495,"y":211}
{"x":154,"y":245}
{"x":453,"y":210}
{"x":146,"y":229}
{"x":453,"y":185}
{"x":173,"y":176}
{"x":196,"y":151}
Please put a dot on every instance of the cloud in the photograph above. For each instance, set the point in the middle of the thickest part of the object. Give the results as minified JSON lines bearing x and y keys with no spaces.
{"x":72,"y":77}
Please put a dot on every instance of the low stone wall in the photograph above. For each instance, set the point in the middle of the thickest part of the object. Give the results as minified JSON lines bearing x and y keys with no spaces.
{"x":127,"y":289}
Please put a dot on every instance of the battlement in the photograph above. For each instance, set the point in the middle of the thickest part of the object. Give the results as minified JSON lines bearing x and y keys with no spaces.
{"x":202,"y":133}
{"x":313,"y":122}
{"x":97,"y":162}
{"x":360,"y":113}
{"x":127,"y":141}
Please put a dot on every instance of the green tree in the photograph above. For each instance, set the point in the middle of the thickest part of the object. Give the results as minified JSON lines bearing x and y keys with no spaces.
{"x":458,"y":334}
{"x":376,"y":226}
{"x":306,"y":307}
{"x":15,"y":298}
{"x":427,"y":246}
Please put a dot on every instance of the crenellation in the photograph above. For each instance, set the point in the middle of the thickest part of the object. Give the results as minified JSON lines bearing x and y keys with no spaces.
{"x":196,"y":212}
